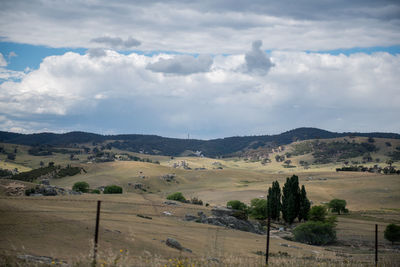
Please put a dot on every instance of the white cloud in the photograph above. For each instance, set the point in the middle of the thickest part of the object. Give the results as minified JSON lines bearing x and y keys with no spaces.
{"x":120,"y":93}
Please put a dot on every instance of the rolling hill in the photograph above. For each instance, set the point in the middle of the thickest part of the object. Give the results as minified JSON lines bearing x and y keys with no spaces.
{"x":153,"y":144}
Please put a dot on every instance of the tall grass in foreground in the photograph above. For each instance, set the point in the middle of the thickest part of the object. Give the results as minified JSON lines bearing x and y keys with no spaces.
{"x":123,"y":258}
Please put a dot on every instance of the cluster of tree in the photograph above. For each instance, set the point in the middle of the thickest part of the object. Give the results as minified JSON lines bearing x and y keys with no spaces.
{"x":280,"y":158}
{"x":325,"y":152}
{"x":84,"y":187}
{"x":5,"y":173}
{"x":375,"y":169}
{"x":178,"y":196}
{"x":53,"y":170}
{"x":46,"y":150}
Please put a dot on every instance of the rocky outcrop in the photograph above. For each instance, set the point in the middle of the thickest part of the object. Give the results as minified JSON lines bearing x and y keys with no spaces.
{"x":49,"y":190}
{"x":223,"y":217}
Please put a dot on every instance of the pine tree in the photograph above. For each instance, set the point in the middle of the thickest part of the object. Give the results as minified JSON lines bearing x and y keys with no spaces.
{"x":290,"y":199}
{"x":304,"y":204}
{"x":274,"y":201}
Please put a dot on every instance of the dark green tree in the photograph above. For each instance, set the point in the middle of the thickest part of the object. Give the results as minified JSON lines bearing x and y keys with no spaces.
{"x":274,"y":201}
{"x":338,"y":205}
{"x":392,"y":233}
{"x":304,"y":205}
{"x":290,"y":199}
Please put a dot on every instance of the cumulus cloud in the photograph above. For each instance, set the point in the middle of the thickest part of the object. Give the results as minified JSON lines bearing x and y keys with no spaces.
{"x":116,"y":42}
{"x":257,"y":60}
{"x":119,"y":92}
{"x":182,"y":64}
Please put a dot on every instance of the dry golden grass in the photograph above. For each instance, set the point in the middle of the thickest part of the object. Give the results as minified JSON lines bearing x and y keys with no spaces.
{"x":62,"y":227}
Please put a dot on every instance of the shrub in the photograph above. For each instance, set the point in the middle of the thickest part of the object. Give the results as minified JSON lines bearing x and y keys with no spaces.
{"x":177,"y":197}
{"x":258,"y":208}
{"x":113,"y":189}
{"x":95,"y":191}
{"x":317,"y":214}
{"x":81,"y":187}
{"x":196,"y":201}
{"x":315,"y":233}
{"x":392,"y":233}
{"x":237,"y":205}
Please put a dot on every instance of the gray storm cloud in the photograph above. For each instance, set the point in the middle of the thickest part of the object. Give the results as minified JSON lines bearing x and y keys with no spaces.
{"x":116,"y":42}
{"x":182,"y":65}
{"x":257,"y":60}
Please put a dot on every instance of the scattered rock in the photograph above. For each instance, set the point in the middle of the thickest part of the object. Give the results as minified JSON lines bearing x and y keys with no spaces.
{"x":14,"y":189}
{"x":167,"y":213}
{"x":42,"y":260}
{"x":171,"y":203}
{"x":45,"y":182}
{"x":213,"y":259}
{"x":169,"y":177}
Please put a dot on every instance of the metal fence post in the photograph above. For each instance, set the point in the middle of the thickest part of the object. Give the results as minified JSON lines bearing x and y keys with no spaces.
{"x":96,"y":233}
{"x":267,"y":248}
{"x":376,"y":245}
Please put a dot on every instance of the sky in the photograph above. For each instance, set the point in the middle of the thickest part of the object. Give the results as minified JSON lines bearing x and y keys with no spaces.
{"x":210,"y":69}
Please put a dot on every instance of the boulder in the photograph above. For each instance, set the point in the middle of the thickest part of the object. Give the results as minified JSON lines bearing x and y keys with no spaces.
{"x":173,"y":243}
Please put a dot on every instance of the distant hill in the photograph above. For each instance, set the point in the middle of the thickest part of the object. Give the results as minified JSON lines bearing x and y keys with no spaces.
{"x":154,"y":144}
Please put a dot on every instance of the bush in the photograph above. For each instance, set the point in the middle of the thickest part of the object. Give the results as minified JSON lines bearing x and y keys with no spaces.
{"x":113,"y":189}
{"x":196,"y":201}
{"x":177,"y":197}
{"x":237,"y":205}
{"x":315,"y":233}
{"x":392,"y":233}
{"x":258,"y":209}
{"x":317,"y":214}
{"x":81,"y":187}
{"x":95,"y":191}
